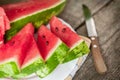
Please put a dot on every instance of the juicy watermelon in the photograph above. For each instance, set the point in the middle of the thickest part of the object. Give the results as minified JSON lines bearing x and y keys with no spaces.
{"x":36,"y":11}
{"x":32,"y":62}
{"x":12,"y":54}
{"x":76,"y":44}
{"x":52,"y":49}
{"x":4,"y":25}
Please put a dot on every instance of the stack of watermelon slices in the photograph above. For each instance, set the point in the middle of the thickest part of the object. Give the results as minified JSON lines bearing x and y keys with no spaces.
{"x":22,"y":56}
{"x":14,"y":52}
{"x":33,"y":61}
{"x":21,"y":12}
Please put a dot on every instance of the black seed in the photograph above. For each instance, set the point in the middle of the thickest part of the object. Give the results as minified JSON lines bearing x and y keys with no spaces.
{"x":47,"y":42}
{"x":56,"y":29}
{"x":43,"y":36}
{"x":63,"y":30}
{"x":12,"y":43}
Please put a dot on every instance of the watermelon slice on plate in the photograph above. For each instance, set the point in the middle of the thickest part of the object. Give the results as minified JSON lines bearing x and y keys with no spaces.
{"x":64,"y":70}
{"x":36,"y":11}
{"x":4,"y":25}
{"x":14,"y":52}
{"x":52,"y":49}
{"x":76,"y":44}
{"x":32,"y":62}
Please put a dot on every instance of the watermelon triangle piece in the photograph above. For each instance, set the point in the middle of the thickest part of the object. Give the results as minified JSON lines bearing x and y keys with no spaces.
{"x":32,"y":62}
{"x":52,"y":49}
{"x":77,"y":45}
{"x":14,"y":52}
{"x":38,"y":12}
{"x":4,"y":25}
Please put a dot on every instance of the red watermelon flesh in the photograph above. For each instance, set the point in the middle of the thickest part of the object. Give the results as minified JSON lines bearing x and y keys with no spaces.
{"x":2,"y":51}
{"x":6,"y":21}
{"x":25,"y":7}
{"x":2,"y":30}
{"x":46,"y":43}
{"x":32,"y":62}
{"x":19,"y":44}
{"x":52,"y":49}
{"x":33,"y":53}
{"x":4,"y":24}
{"x":63,"y":32}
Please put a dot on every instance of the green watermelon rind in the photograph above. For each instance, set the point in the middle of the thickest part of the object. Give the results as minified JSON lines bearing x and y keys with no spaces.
{"x":78,"y":51}
{"x":53,"y":61}
{"x":8,"y":69}
{"x":42,"y":17}
{"x":31,"y":68}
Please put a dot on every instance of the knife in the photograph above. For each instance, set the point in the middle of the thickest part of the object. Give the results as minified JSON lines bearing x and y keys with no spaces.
{"x":90,"y":24}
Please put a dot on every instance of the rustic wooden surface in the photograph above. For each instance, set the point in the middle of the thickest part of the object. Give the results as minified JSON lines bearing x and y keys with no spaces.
{"x":107,"y":18}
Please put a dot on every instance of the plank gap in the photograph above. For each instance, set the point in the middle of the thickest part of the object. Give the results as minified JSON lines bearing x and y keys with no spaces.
{"x":83,"y":22}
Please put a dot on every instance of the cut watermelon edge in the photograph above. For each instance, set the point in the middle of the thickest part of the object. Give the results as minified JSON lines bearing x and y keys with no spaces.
{"x":76,"y":44}
{"x":14,"y":59}
{"x":31,"y":68}
{"x":36,"y":12}
{"x":10,"y":68}
{"x":54,"y":48}
{"x":55,"y":57}
{"x":31,"y":61}
{"x":78,"y":51}
{"x":47,"y":14}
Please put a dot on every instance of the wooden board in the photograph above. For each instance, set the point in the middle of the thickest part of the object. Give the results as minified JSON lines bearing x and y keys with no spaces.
{"x":107,"y":19}
{"x":73,"y":11}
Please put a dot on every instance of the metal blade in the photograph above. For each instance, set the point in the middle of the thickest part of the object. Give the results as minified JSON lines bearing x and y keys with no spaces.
{"x":90,"y":24}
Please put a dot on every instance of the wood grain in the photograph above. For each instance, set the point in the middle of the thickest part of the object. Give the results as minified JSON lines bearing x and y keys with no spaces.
{"x":73,"y":11}
{"x":108,"y":27}
{"x":107,"y":19}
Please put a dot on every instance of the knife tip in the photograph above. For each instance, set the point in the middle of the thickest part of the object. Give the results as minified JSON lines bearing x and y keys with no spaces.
{"x":84,"y":6}
{"x":86,"y":11}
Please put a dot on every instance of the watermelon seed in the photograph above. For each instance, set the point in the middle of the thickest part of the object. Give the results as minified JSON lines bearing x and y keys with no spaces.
{"x":12,"y":43}
{"x":56,"y":29}
{"x":47,"y":42}
{"x":43,"y":36}
{"x":63,"y":30}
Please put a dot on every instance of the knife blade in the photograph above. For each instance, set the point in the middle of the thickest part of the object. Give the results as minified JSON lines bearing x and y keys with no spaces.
{"x":92,"y":33}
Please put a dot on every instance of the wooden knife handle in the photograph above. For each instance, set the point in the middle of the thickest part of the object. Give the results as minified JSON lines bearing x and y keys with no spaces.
{"x":98,"y":60}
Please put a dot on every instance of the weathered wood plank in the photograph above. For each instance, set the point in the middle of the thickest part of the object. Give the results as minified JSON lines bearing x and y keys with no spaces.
{"x":108,"y":27}
{"x":73,"y":10}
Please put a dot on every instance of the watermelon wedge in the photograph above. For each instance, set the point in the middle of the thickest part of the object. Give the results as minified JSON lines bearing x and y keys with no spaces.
{"x":36,"y":11}
{"x":32,"y":62}
{"x":12,"y":54}
{"x":52,"y":49}
{"x":76,"y":44}
{"x":4,"y":25}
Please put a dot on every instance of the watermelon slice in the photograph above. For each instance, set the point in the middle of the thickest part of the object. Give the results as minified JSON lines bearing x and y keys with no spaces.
{"x":36,"y":11}
{"x":76,"y":44}
{"x":32,"y":62}
{"x":14,"y":52}
{"x":4,"y":25}
{"x":52,"y":49}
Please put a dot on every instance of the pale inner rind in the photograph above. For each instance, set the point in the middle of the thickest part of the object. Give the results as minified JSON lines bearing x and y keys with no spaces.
{"x":53,"y":49}
{"x":31,"y":61}
{"x":58,"y":3}
{"x":76,"y":44}
{"x":14,"y":59}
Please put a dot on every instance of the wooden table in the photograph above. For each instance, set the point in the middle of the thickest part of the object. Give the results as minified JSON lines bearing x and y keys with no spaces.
{"x":107,"y":18}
